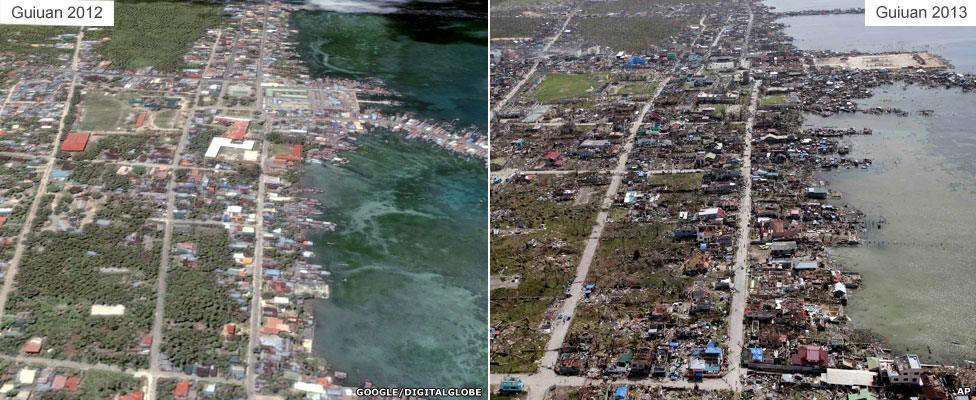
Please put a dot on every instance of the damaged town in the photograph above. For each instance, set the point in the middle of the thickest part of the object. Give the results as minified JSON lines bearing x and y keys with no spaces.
{"x":662,"y":221}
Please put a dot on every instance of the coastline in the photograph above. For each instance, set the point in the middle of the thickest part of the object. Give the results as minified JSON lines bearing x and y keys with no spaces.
{"x":467,"y":144}
{"x":940,"y":77}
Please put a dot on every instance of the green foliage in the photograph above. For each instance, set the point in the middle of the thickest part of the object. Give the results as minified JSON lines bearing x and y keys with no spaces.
{"x":200,"y":141}
{"x":23,"y":40}
{"x":557,"y":87}
{"x":197,"y":307}
{"x":61,"y":278}
{"x":156,"y":34}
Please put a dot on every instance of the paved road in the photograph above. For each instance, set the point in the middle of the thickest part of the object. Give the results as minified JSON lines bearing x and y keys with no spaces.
{"x":257,"y":273}
{"x":589,"y":251}
{"x":511,"y":93}
{"x":741,"y":278}
{"x":158,"y":317}
{"x":41,"y":188}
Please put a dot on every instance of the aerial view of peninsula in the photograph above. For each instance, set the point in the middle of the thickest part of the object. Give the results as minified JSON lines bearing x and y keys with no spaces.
{"x":245,"y":200}
{"x":730,"y":199}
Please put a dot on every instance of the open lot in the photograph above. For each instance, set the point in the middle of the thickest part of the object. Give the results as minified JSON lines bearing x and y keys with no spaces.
{"x":557,"y":87}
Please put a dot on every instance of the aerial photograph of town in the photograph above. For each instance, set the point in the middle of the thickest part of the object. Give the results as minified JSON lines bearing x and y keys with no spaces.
{"x":245,"y":200}
{"x":729,"y":199}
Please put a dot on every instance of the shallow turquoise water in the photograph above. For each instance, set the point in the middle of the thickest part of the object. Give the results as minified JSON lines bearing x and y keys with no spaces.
{"x":409,"y":305}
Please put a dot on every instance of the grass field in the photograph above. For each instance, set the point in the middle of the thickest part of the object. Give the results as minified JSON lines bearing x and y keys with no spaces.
{"x":102,"y":112}
{"x":773,"y":100}
{"x":631,"y":88}
{"x":156,"y":34}
{"x":557,"y":87}
{"x":165,"y":119}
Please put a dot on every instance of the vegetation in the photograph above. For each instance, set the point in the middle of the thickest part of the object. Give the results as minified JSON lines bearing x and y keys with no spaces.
{"x":156,"y":34}
{"x":556,"y":87}
{"x":678,"y":182}
{"x":61,"y":277}
{"x":104,"y":112}
{"x":96,"y":385}
{"x":634,"y":6}
{"x":34,"y":41}
{"x":638,"y":88}
{"x":773,"y":100}
{"x":517,"y":27}
{"x":197,"y":307}
{"x":224,"y":391}
{"x":544,"y":256}
{"x":125,"y":147}
{"x":200,"y":141}
{"x":629,"y":33}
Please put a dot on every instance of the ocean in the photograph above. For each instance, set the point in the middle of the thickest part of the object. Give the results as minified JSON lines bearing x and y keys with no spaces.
{"x":917,"y":195}
{"x":409,"y":257}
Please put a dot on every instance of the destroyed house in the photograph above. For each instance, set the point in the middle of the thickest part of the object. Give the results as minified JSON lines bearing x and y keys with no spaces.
{"x":782,"y":249}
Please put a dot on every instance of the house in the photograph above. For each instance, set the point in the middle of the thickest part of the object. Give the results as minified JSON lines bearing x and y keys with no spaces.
{"x":782,"y":249}
{"x":905,"y":370}
{"x":552,"y":158}
{"x":709,"y":214}
{"x":33,"y":346}
{"x":816,"y":193}
{"x":72,"y":383}
{"x":848,"y":377}
{"x":705,"y":361}
{"x":805,"y":265}
{"x":238,"y":129}
{"x":136,"y":395}
{"x":182,"y":389}
{"x":810,"y":355}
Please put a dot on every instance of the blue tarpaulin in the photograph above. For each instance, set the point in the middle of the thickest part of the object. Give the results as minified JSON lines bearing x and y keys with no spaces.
{"x":621,"y":392}
{"x":757,"y":354}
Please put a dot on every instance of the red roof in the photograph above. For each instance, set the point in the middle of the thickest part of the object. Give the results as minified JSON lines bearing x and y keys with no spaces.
{"x":137,"y":395}
{"x":32,"y":347}
{"x":72,"y":383}
{"x":237,"y":130}
{"x":295,"y":155}
{"x":552,"y":155}
{"x":147,"y":340}
{"x":76,"y":141}
{"x":182,"y":388}
{"x":140,"y":119}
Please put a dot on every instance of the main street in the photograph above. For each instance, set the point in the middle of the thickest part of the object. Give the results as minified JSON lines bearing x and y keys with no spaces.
{"x":155,"y":372}
{"x":741,"y":278}
{"x":258,"y":271}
